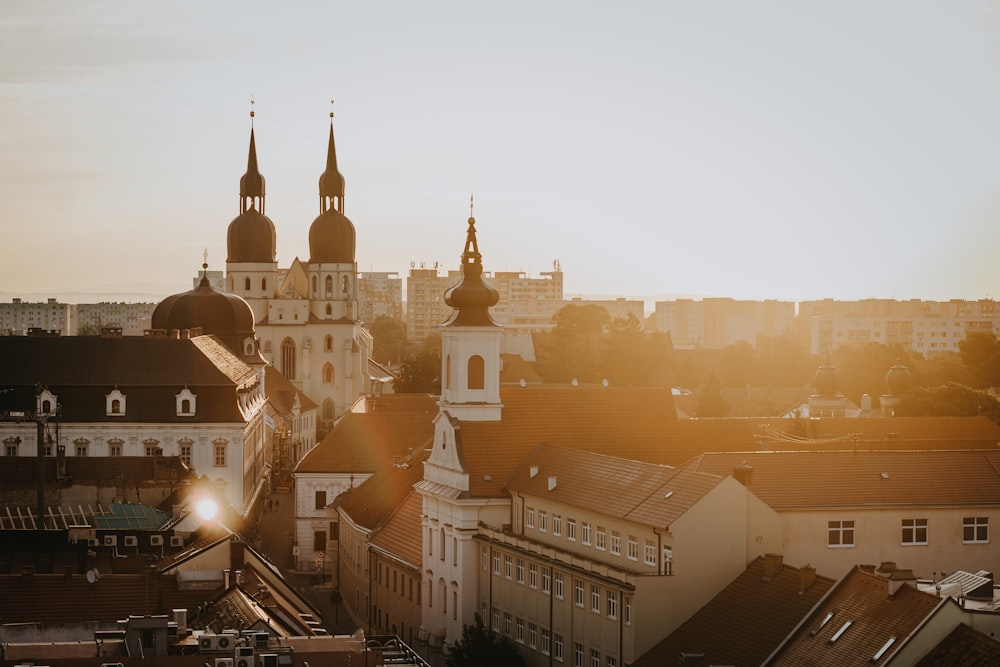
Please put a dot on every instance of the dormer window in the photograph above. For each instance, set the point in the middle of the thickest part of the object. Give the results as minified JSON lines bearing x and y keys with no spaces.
{"x":115,"y":404}
{"x":186,"y":403}
{"x":47,"y":403}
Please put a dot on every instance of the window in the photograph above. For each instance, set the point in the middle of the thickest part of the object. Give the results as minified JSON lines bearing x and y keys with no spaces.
{"x":246,"y":285}
{"x":288,"y":358}
{"x":556,"y":524}
{"x":496,"y":563}
{"x":546,"y":579}
{"x":595,"y":658}
{"x":508,"y":566}
{"x":557,"y":646}
{"x":152,"y":447}
{"x":506,"y":623}
{"x":328,"y":410}
{"x":263,"y":284}
{"x":616,"y":543}
{"x":185,"y":403}
{"x":577,"y":654}
{"x":976,"y":529}
{"x":633,"y":548}
{"x":486,"y":561}
{"x":559,"y":585}
{"x":320,"y":500}
{"x":477,"y":372}
{"x":602,"y":539}
{"x":115,"y":404}
{"x":586,"y":534}
{"x":442,"y":542}
{"x":668,"y":560}
{"x":649,"y":555}
{"x":914,"y":531}
{"x":520,"y":571}
{"x":81,"y":448}
{"x":546,"y":641}
{"x":533,"y":575}
{"x":219,"y":460}
{"x":840,"y":534}
{"x":184,"y":450}
{"x":328,"y":284}
{"x":327,"y":373}
{"x":571,"y":530}
{"x":611,"y":661}
{"x":532,"y":635}
{"x":578,"y":600}
{"x":10,"y":446}
{"x":529,"y":517}
{"x":454,"y":551}
{"x":328,"y":343}
{"x":595,"y":599}
{"x":628,"y":609}
{"x":319,"y":541}
{"x":612,"y":604}
{"x":519,"y":632}
{"x":496,"y":620}
{"x":115,"y":447}
{"x":543,"y":521}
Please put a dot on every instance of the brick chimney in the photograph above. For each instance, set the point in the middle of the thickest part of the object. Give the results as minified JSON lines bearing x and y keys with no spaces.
{"x":899,"y":577}
{"x":772,"y":565}
{"x":807,"y":575}
{"x":744,"y":475}
{"x":886,"y":568}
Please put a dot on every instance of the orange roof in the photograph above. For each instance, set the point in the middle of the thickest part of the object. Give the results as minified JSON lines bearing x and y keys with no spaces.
{"x":861,"y":598}
{"x":400,"y":534}
{"x":371,"y":503}
{"x":515,"y":369}
{"x":281,"y":393}
{"x":963,"y":646}
{"x":637,"y":424}
{"x":865,"y":478}
{"x":745,"y":622}
{"x":632,"y":490}
{"x":363,"y":442}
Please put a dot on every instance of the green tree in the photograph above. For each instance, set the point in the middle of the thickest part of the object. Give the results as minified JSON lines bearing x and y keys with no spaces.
{"x":420,"y":372}
{"x":390,"y":339}
{"x":711,"y":402}
{"x":576,"y":319}
{"x":480,"y":647}
{"x":948,"y":400}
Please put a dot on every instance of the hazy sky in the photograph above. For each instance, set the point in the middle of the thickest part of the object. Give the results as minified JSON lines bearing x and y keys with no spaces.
{"x":790,"y":150}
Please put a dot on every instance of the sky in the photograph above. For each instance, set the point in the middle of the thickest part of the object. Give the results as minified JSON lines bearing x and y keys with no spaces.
{"x":753,"y":150}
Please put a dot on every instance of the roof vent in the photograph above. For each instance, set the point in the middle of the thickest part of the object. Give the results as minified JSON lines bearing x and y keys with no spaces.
{"x":574,"y":382}
{"x":552,"y":482}
{"x":884,"y":475}
{"x":532,"y":471}
{"x":523,"y":382}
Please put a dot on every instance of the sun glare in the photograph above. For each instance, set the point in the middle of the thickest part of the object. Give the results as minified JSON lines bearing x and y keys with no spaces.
{"x":206,"y":508}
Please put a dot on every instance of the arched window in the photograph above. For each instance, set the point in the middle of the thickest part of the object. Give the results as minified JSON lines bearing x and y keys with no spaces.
{"x":329,"y":310}
{"x":344,"y":284}
{"x":328,"y":373}
{"x":288,"y":358}
{"x":477,"y":372}
{"x":46,"y":406}
{"x":246,"y":285}
{"x":328,"y":343}
{"x":230,"y":283}
{"x":328,"y":409}
{"x":116,"y":406}
{"x":447,"y":372}
{"x":263,"y":284}
{"x":185,"y":405}
{"x":329,"y":286}
{"x":315,"y":287}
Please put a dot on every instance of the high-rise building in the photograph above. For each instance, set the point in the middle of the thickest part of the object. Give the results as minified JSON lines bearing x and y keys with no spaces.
{"x":718,"y":322}
{"x":18,"y":317}
{"x":380,"y":294}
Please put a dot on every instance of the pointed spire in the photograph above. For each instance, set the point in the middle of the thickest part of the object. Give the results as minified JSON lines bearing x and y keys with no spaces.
{"x":331,"y":182}
{"x":252,"y":183}
{"x":471,"y":297}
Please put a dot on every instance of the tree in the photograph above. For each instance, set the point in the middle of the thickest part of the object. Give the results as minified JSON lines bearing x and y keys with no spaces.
{"x":420,"y":372}
{"x":948,"y":400}
{"x":711,"y":403}
{"x":390,"y":339}
{"x":480,"y":647}
{"x":589,"y":318}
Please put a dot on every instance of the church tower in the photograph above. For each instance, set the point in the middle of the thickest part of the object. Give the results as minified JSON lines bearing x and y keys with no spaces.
{"x":470,"y":342}
{"x":251,"y":265}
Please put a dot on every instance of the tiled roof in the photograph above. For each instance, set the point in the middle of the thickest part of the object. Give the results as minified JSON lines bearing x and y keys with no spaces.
{"x":364,"y":442}
{"x":54,"y":598}
{"x":861,"y":598}
{"x":372,"y":502}
{"x":515,"y":369}
{"x":637,"y":424}
{"x":632,"y":490}
{"x":281,"y":393}
{"x":865,"y":478}
{"x":400,"y":533}
{"x":963,"y":647}
{"x":745,"y":622}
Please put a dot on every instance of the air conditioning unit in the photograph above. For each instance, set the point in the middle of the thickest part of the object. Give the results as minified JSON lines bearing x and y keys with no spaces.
{"x":223,"y":662}
{"x":93,"y":542}
{"x":176,"y":541}
{"x":131,"y":541}
{"x":260,"y":640}
{"x":244,"y":656}
{"x":208,"y":643}
{"x":224,"y":642}
{"x":111,"y":540}
{"x":244,"y":662}
{"x":156,"y":540}
{"x":268,"y":660}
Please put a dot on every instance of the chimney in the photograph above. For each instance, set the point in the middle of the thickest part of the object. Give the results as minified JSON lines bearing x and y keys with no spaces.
{"x":807,"y":575}
{"x":772,"y":565}
{"x":181,"y":617}
{"x":899,"y":577}
{"x":225,"y":579}
{"x":886,"y":568}
{"x":744,"y":475}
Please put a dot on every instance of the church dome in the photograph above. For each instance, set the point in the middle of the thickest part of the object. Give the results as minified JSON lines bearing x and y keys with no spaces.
{"x":331,"y":239}
{"x":471,"y":297}
{"x":827,"y":380}
{"x":899,"y":380}
{"x":226,"y":315}
{"x":251,"y":238}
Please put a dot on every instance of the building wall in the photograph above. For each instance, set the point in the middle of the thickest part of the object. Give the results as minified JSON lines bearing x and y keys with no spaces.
{"x":395,"y":597}
{"x":380,"y":294}
{"x":719,"y":322}
{"x":878,"y":538}
{"x":19,"y":316}
{"x":310,"y":519}
{"x":354,"y":563}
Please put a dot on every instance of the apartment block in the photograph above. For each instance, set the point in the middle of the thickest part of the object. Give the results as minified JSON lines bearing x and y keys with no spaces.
{"x":380,"y":294}
{"x":17,"y":317}
{"x":718,"y":322}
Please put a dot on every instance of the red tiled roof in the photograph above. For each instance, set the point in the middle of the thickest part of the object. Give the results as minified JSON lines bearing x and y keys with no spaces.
{"x":862,"y":598}
{"x":963,"y":647}
{"x":364,"y":442}
{"x":745,"y":622}
{"x":400,"y":533}
{"x":637,"y":424}
{"x":281,"y":393}
{"x":515,"y":369}
{"x":630,"y":490}
{"x":372,"y":502}
{"x":855,"y":478}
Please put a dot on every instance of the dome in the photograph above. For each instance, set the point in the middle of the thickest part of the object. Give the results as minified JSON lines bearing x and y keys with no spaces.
{"x":899,"y":380}
{"x":471,"y":297}
{"x":251,"y":238}
{"x":331,"y":239}
{"x":226,"y":315}
{"x":827,"y":380}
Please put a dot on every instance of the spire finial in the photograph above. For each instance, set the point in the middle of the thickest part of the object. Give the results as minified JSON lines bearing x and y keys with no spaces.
{"x":472,"y":206}
{"x":252,"y":102}
{"x":331,"y":107}
{"x":205,"y":259}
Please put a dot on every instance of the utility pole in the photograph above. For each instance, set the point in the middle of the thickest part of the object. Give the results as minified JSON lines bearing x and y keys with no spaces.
{"x":40,"y":415}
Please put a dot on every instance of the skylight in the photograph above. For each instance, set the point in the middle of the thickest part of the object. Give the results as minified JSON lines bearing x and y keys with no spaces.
{"x":885,"y":647}
{"x":843,"y":629}
{"x":819,"y":627}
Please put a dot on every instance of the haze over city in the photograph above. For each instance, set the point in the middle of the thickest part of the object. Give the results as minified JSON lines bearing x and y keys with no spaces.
{"x":751,"y":150}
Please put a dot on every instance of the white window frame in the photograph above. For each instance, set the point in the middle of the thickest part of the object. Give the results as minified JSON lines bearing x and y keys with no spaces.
{"x":912,"y":531}
{"x":842,"y":530}
{"x":975,"y":524}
